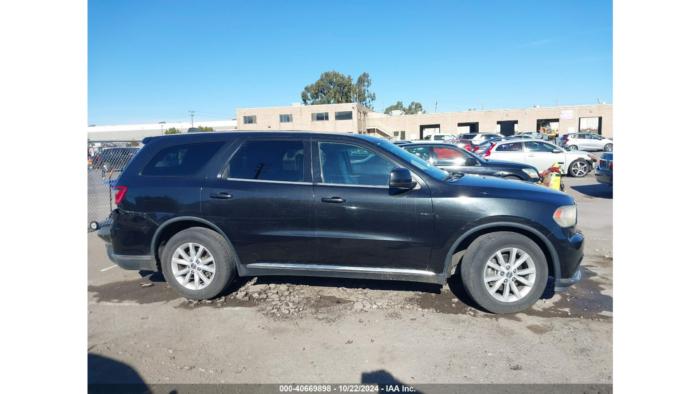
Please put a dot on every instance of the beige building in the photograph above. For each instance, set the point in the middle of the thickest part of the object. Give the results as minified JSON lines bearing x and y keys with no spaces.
{"x":354,"y":118}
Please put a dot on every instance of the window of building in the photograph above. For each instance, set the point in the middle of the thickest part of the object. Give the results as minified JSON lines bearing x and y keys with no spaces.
{"x":512,"y":147}
{"x":343,"y":115}
{"x":319,"y":117}
{"x":268,"y":161}
{"x":285,"y":118}
{"x":181,"y":160}
{"x":347,"y":164}
{"x":250,"y":120}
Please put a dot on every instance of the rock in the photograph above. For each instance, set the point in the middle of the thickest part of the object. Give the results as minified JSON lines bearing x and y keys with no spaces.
{"x":255,"y":295}
{"x":222,"y":299}
{"x":272,"y":286}
{"x":240,"y":295}
{"x":374,"y":306}
{"x":366,"y":304}
{"x":274,"y":296}
{"x":358,"y":306}
{"x":257,"y":288}
{"x":283,"y":288}
{"x":147,"y":284}
{"x":246,"y":298}
{"x":455,"y":300}
{"x":208,"y":301}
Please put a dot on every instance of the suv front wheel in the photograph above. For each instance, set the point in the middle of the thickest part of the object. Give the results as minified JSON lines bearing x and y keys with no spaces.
{"x":504,"y":272}
{"x":198,"y":263}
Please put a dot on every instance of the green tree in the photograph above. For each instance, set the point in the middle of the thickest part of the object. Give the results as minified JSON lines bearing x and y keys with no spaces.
{"x":172,"y":130}
{"x":412,"y":109}
{"x":335,"y":88}
{"x":207,"y":128}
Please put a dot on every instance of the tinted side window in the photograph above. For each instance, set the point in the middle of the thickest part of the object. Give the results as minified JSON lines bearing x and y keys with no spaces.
{"x":421,"y":151}
{"x":538,"y":147}
{"x":449,"y":156}
{"x":347,"y":164}
{"x":512,"y":147}
{"x":344,"y":115}
{"x":269,"y":161}
{"x":181,"y":160}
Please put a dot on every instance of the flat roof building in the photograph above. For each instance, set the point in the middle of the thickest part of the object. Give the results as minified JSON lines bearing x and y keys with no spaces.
{"x":355,"y":118}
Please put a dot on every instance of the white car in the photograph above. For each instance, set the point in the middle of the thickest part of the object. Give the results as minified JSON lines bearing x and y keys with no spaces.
{"x":482,"y":137}
{"x":532,"y":134}
{"x":439,"y":137}
{"x":541,"y":155}
{"x":588,"y":141}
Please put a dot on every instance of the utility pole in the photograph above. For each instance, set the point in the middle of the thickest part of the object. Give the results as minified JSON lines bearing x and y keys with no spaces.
{"x":435,"y":107}
{"x":557,"y":102}
{"x":191,"y":118}
{"x":482,"y":106}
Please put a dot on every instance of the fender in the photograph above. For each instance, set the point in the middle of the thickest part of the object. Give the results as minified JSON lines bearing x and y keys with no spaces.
{"x":154,"y":249}
{"x":550,"y":247}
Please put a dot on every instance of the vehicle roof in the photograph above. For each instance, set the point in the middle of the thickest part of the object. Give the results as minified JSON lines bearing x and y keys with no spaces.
{"x":238,"y":134}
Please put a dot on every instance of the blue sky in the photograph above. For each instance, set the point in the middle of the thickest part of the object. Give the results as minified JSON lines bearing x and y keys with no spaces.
{"x":154,"y":60}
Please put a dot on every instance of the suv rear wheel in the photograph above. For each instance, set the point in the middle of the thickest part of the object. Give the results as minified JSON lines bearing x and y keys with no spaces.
{"x":504,"y":272}
{"x":198,"y":263}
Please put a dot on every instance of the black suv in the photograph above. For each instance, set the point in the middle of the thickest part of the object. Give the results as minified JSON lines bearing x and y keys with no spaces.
{"x":204,"y":207}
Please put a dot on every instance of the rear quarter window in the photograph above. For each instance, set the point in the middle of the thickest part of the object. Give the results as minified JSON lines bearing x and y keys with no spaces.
{"x":181,"y":160}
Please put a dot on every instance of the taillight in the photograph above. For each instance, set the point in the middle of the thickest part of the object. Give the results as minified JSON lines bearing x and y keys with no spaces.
{"x":488,"y":151}
{"x":611,"y":165}
{"x":120,"y":195}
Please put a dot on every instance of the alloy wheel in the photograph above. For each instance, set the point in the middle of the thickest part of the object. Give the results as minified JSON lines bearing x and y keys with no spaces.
{"x":509,"y":274}
{"x":579,"y":168}
{"x":193,"y":266}
{"x":608,"y":148}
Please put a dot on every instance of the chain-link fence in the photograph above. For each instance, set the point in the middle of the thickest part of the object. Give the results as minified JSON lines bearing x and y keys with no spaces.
{"x":106,"y":160}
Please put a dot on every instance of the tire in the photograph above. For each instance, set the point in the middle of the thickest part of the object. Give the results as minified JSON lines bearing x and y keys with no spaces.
{"x":579,"y":168}
{"x":475,"y":269}
{"x":573,"y":147}
{"x":216,"y":247}
{"x":608,"y":147}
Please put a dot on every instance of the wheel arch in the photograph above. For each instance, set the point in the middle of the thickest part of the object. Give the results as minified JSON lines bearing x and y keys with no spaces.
{"x":464,"y":241}
{"x":173,"y":226}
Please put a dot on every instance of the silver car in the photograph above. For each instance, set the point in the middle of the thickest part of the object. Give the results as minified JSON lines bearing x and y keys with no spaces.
{"x":589,"y":142}
{"x":541,"y":155}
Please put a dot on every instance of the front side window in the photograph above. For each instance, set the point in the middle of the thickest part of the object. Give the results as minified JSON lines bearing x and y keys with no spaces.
{"x":250,"y":120}
{"x":512,"y":147}
{"x":268,"y":161}
{"x":534,"y":146}
{"x":181,"y":160}
{"x":439,"y":138}
{"x":319,"y":117}
{"x":344,"y":115}
{"x":421,"y":151}
{"x":346,"y":164}
{"x":285,"y":118}
{"x":447,"y":156}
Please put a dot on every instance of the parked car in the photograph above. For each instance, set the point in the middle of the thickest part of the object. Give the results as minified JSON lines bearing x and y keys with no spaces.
{"x":588,"y":141}
{"x":541,"y":155}
{"x":335,"y":205}
{"x":113,"y":159}
{"x":451,"y":158}
{"x":483,"y":137}
{"x":604,"y":172}
{"x":401,"y":142}
{"x":520,"y":137}
{"x":439,"y":137}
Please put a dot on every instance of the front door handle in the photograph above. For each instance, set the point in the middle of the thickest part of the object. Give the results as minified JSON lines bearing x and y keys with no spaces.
{"x":335,"y":200}
{"x":531,"y":155}
{"x":220,"y":196}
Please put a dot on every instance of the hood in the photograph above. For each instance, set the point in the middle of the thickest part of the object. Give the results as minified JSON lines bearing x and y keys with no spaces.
{"x":511,"y":189}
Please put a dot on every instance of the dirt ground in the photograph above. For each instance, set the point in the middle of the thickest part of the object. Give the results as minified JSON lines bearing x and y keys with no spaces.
{"x":317,"y":330}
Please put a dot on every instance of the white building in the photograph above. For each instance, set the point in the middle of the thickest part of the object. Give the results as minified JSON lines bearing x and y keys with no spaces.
{"x":137,"y":132}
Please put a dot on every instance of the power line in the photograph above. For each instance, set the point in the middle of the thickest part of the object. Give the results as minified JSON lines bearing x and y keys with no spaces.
{"x":192,"y":118}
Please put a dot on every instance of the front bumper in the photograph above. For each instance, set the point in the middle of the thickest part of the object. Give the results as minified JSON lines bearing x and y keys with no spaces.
{"x":563,"y":284}
{"x":604,"y":177}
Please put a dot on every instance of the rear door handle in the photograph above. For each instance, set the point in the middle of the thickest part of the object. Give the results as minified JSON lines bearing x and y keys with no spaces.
{"x":531,"y":155}
{"x":335,"y":200}
{"x":220,"y":196}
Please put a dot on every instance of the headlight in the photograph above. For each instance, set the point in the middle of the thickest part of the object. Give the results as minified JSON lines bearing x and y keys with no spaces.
{"x":566,"y":216}
{"x":531,"y":173}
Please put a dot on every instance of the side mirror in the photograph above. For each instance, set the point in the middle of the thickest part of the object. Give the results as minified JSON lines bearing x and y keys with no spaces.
{"x":400,"y":178}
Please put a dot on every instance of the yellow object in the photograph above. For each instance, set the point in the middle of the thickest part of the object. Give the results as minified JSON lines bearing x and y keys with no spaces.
{"x":553,"y":178}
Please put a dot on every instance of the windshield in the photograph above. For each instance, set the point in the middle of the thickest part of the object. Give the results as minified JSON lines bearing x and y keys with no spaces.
{"x":426,"y":167}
